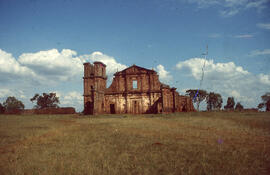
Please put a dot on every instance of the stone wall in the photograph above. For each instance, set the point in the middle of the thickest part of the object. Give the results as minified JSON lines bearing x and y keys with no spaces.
{"x":135,"y":90}
{"x":94,"y":87}
{"x":66,"y":110}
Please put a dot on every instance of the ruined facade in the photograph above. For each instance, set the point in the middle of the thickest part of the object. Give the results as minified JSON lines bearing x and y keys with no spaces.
{"x":135,"y":90}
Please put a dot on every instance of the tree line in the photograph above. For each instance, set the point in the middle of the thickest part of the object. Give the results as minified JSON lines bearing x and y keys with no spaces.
{"x":45,"y":100}
{"x":214,"y":101}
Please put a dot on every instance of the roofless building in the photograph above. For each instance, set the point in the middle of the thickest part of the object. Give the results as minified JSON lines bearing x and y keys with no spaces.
{"x":135,"y":90}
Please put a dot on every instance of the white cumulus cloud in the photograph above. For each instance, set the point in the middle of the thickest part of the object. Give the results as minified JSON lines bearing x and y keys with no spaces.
{"x":67,"y":65}
{"x":227,"y":79}
{"x":53,"y":65}
{"x":48,"y":71}
{"x":211,"y":70}
{"x":112,"y":65}
{"x":164,"y":75}
{"x":11,"y":69}
{"x":264,"y":79}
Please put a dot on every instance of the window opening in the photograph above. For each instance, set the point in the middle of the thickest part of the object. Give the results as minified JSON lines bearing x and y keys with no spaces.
{"x":134,"y":84}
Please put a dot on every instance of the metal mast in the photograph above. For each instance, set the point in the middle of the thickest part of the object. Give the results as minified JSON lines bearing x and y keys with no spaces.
{"x":205,"y":58}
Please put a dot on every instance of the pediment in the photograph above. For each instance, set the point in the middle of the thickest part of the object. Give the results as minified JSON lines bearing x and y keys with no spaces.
{"x":135,"y":70}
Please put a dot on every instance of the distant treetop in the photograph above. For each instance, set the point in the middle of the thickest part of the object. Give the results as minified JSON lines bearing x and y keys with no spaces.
{"x":46,"y":100}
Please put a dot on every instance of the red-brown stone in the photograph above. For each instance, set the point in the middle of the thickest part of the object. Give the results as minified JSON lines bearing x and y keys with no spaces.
{"x":135,"y":90}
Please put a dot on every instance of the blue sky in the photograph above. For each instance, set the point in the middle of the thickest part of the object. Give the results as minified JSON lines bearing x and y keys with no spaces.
{"x":44,"y":43}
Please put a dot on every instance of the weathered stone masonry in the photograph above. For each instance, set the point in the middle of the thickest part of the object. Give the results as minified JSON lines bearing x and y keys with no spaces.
{"x":135,"y":90}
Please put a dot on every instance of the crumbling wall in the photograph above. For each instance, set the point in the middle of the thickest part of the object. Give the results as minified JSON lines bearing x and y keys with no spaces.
{"x":64,"y":110}
{"x":135,"y":90}
{"x":125,"y":98}
{"x":94,"y":87}
{"x":185,"y":104}
{"x":14,"y":111}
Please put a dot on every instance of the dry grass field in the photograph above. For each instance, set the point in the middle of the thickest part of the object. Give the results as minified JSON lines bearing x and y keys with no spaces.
{"x":184,"y":143}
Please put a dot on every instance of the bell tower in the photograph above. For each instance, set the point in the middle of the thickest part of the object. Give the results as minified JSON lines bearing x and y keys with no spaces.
{"x":94,"y":87}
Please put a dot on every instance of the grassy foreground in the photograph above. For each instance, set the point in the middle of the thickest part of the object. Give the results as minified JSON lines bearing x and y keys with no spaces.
{"x":183,"y":143}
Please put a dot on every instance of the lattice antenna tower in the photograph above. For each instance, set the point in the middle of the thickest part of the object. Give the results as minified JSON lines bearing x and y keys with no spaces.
{"x":205,"y":58}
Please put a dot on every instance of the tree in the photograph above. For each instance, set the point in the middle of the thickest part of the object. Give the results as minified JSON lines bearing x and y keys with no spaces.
{"x":45,"y":100}
{"x":2,"y":109}
{"x":197,"y":95}
{"x":230,"y":104}
{"x":266,"y":101}
{"x":238,"y":107}
{"x":214,"y":101}
{"x":12,"y":105}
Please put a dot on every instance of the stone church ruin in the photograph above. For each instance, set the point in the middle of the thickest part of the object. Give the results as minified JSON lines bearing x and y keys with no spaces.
{"x":134,"y":90}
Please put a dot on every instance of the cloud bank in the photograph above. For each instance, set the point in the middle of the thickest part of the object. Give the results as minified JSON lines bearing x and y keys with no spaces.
{"x":52,"y":64}
{"x":62,"y":72}
{"x":227,"y":79}
{"x":10,"y":68}
{"x":42,"y":71}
